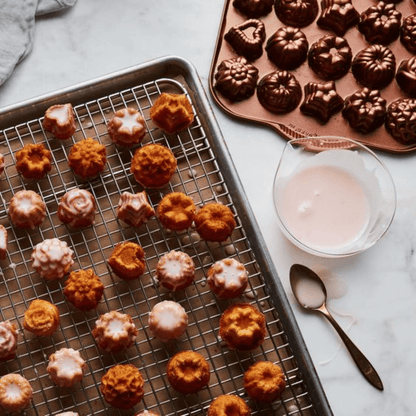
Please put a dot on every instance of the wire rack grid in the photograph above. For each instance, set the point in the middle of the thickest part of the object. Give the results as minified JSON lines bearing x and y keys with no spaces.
{"x":197,"y":175}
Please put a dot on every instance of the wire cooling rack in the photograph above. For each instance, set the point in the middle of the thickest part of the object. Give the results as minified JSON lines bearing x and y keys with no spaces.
{"x":199,"y":176}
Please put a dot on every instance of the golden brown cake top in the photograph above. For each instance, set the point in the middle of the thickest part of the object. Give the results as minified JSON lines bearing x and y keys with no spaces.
{"x":33,"y":161}
{"x":41,"y":318}
{"x":87,"y":157}
{"x":227,"y":405}
{"x":127,"y":260}
{"x":176,"y":211}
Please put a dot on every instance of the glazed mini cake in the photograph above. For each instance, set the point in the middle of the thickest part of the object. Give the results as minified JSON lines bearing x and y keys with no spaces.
{"x":251,"y":47}
{"x":279,"y":92}
{"x":254,"y":8}
{"x":227,"y":278}
{"x":176,"y":211}
{"x":338,"y":16}
{"x":33,"y":161}
{"x":3,"y":242}
{"x":60,"y":121}
{"x":264,"y":381}
{"x":41,"y":318}
{"x":68,"y":414}
{"x":175,"y":270}
{"x":134,"y":209}
{"x":27,"y":209}
{"x":221,"y":405}
{"x":8,"y":340}
{"x":84,"y":289}
{"x":87,"y":158}
{"x":127,"y":260}
{"x":127,"y":127}
{"x":188,"y":372}
{"x":15,"y":393}
{"x":2,"y":163}
{"x":146,"y":413}
{"x":122,"y":386}
{"x":66,"y":367}
{"x":236,"y":79}
{"x":299,"y":13}
{"x":77,"y":208}
{"x":167,"y":320}
{"x":114,"y":331}
{"x":52,"y":259}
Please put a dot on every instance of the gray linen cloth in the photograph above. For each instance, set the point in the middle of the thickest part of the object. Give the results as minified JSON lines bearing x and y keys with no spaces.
{"x":17,"y":23}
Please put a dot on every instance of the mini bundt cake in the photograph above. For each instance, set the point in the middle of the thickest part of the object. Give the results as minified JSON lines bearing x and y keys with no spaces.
{"x":215,"y":222}
{"x":2,"y":163}
{"x":408,"y":33}
{"x":406,"y":76}
{"x":167,"y":320}
{"x":8,"y":340}
{"x":175,"y":270}
{"x":172,"y":113}
{"x":236,"y":79}
{"x":33,"y":161}
{"x":330,"y":57}
{"x":242,"y":327}
{"x":146,"y":413}
{"x":296,"y":13}
{"x":87,"y":158}
{"x":401,"y":120}
{"x":264,"y":381}
{"x":127,"y":127}
{"x":228,"y":405}
{"x":52,"y":259}
{"x":41,"y":318}
{"x":3,"y":242}
{"x":84,"y":289}
{"x":15,"y":393}
{"x":68,"y":414}
{"x":380,"y":23}
{"x":365,"y":110}
{"x":153,"y":165}
{"x":66,"y":367}
{"x":227,"y":278}
{"x":176,"y":211}
{"x":134,"y":209}
{"x":188,"y":372}
{"x":77,"y":208}
{"x":251,"y":47}
{"x":27,"y":209}
{"x":127,"y":260}
{"x":338,"y":16}
{"x":321,"y":101}
{"x":254,"y":9}
{"x":115,"y":331}
{"x":279,"y":92}
{"x":60,"y":121}
{"x":122,"y":386}
{"x":287,"y":48}
{"x":374,"y":67}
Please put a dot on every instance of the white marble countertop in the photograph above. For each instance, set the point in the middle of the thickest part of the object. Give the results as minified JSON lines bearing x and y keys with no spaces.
{"x":375,"y":292}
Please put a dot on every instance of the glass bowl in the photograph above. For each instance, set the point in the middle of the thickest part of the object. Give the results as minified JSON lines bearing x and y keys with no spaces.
{"x":333,"y":196}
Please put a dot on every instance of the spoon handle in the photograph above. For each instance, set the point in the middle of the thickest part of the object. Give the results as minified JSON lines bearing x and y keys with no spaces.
{"x":362,"y":362}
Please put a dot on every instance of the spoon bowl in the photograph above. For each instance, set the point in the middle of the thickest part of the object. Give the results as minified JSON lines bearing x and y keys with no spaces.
{"x":310,"y":292}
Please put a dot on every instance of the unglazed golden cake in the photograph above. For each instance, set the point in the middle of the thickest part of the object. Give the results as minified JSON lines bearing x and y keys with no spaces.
{"x":60,"y":121}
{"x":15,"y":393}
{"x":215,"y":222}
{"x":172,"y":113}
{"x":188,"y":372}
{"x":127,"y":127}
{"x":8,"y":340}
{"x":242,"y":327}
{"x":77,"y":208}
{"x":27,"y":209}
{"x":84,"y":289}
{"x":52,"y":259}
{"x":33,"y":161}
{"x":176,"y":211}
{"x":66,"y":367}
{"x":228,"y":405}
{"x":264,"y":381}
{"x":153,"y":165}
{"x":87,"y":158}
{"x":134,"y":209}
{"x":122,"y":386}
{"x":127,"y":260}
{"x":114,"y":331}
{"x":41,"y":318}
{"x":175,"y":270}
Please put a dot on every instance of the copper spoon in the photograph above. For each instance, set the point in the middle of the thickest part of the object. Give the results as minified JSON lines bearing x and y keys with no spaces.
{"x":310,"y":292}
